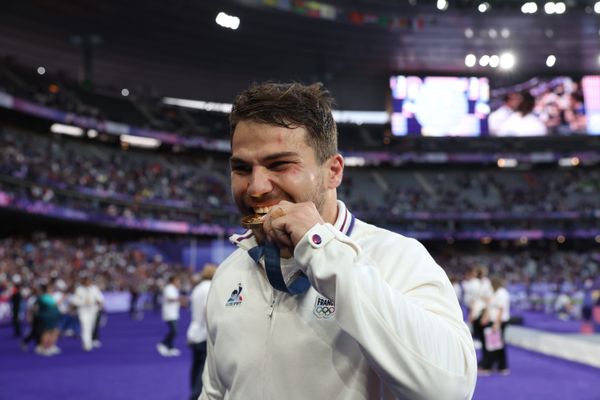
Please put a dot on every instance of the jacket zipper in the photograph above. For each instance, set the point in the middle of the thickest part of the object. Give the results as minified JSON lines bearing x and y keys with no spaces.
{"x":271,"y":306}
{"x":267,"y":360}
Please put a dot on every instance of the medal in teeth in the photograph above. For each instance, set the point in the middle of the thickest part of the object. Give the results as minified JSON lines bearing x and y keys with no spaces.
{"x":255,"y":220}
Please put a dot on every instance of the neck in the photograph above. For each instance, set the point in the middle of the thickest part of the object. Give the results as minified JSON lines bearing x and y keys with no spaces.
{"x":330,"y":210}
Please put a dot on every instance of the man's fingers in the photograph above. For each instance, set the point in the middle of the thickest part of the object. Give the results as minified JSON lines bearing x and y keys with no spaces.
{"x":281,"y":238}
{"x":276,"y":228}
{"x":287,"y":222}
{"x":270,"y":224}
{"x":277,"y":213}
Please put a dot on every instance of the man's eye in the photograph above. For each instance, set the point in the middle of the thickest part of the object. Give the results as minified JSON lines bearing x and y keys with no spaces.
{"x":278,"y":165}
{"x":242,"y":169}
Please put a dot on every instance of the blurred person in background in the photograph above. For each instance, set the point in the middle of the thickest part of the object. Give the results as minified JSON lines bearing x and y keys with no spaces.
{"x":35,"y":327}
{"x":523,"y":122}
{"x":496,"y":317}
{"x":171,"y":302}
{"x":99,"y":322}
{"x":314,"y":303}
{"x":563,"y":305}
{"x":480,"y":300}
{"x":155,"y":285}
{"x":498,"y":117}
{"x":575,"y":115}
{"x":134,"y":308}
{"x":16,"y":301}
{"x":49,"y":318}
{"x":70,"y":326}
{"x":61,"y":297}
{"x":587,"y":306}
{"x":196,"y":333}
{"x":471,"y":290}
{"x":89,"y":301}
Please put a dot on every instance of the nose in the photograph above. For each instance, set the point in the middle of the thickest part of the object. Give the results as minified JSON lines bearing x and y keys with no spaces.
{"x":259,"y":183}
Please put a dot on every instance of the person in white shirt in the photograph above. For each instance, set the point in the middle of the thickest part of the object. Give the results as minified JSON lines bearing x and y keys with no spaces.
{"x":171,"y":302}
{"x":471,"y":296}
{"x":483,"y":296}
{"x":196,"y":333}
{"x":523,"y":122}
{"x":315,"y":303}
{"x":496,"y":317}
{"x":89,"y":300}
{"x":498,"y":117}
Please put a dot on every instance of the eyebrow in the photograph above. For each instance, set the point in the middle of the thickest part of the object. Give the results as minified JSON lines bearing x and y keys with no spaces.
{"x":270,"y":157}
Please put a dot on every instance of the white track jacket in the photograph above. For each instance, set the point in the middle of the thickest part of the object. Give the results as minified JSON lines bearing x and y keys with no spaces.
{"x":380,"y":321}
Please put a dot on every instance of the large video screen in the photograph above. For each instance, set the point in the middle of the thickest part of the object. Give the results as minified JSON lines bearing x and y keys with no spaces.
{"x":548,"y":106}
{"x":439,"y":105}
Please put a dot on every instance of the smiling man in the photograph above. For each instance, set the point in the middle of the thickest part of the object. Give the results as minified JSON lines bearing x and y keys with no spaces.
{"x":316,"y":304}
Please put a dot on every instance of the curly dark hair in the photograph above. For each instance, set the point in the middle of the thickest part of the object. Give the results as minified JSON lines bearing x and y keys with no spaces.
{"x":290,"y":105}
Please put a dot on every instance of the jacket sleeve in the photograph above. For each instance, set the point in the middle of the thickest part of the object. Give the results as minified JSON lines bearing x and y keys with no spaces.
{"x":212,"y":389}
{"x":399,"y":305}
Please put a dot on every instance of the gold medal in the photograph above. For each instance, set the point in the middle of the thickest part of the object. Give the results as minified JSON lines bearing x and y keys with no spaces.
{"x":253,"y":221}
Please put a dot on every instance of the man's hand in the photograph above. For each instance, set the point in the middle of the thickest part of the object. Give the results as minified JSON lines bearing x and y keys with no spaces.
{"x":288,"y":222}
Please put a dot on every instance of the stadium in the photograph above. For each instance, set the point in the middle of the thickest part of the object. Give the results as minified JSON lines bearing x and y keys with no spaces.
{"x":471,"y":126}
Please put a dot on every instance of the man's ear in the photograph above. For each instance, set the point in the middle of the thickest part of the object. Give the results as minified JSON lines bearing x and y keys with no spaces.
{"x":335,"y":171}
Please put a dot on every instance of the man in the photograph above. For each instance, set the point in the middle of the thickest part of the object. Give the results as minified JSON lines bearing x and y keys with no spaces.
{"x":495,"y":319}
{"x":479,"y":291}
{"x":32,"y":316}
{"x":196,"y":333}
{"x":498,"y":117}
{"x":98,"y":323}
{"x":353,"y":311}
{"x":171,"y":302}
{"x":89,"y":301}
{"x":16,"y":299}
{"x":523,"y":122}
{"x":49,"y":317}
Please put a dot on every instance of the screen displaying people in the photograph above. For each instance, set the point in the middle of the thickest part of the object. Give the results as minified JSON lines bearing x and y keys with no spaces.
{"x":555,"y":106}
{"x":475,"y":106}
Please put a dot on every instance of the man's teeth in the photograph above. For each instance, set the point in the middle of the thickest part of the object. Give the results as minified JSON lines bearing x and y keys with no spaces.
{"x":262,"y":210}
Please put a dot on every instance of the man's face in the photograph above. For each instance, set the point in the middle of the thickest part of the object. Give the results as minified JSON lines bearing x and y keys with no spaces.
{"x":514,"y":100}
{"x":270,"y":164}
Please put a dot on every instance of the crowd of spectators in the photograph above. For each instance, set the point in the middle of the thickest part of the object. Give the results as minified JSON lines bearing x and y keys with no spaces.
{"x":132,"y":184}
{"x":488,"y":199}
{"x":487,"y":190}
{"x":43,"y":259}
{"x":113,"y":181}
{"x":548,"y":281}
{"x":138,"y":176}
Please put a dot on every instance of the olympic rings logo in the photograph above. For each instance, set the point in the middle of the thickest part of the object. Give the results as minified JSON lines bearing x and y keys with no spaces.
{"x":325,"y":310}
